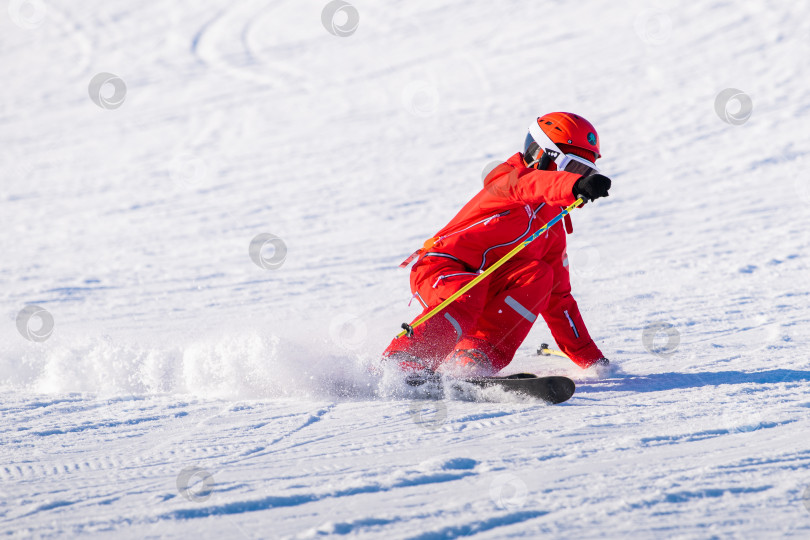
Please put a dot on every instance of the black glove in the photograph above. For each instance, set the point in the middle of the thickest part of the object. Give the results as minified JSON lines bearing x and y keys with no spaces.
{"x":592,"y":187}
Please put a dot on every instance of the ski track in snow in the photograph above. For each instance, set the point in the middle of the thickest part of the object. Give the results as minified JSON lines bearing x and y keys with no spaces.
{"x":171,"y":349}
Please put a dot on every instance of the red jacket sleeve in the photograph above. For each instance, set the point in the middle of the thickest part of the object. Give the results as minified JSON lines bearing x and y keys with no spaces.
{"x":530,"y":186}
{"x":563,"y":318}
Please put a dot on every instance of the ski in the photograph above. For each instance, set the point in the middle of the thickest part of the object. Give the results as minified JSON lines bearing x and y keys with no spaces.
{"x":551,"y":389}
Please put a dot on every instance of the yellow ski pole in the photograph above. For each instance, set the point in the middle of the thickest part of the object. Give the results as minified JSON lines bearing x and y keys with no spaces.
{"x":545,"y":351}
{"x":408,"y":328}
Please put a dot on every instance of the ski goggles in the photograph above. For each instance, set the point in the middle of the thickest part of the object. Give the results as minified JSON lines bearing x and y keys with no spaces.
{"x":575,"y":164}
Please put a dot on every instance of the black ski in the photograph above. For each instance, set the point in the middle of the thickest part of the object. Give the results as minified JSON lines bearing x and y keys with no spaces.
{"x":549,"y":389}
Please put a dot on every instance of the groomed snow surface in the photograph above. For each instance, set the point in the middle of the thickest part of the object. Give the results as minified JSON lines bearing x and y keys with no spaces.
{"x":186,"y":392}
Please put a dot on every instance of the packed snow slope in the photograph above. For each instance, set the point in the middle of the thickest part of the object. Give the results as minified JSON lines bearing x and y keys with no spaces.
{"x":186,"y":391}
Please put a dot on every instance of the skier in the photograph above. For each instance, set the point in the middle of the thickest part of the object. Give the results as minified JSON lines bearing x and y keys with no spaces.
{"x":479,"y":333}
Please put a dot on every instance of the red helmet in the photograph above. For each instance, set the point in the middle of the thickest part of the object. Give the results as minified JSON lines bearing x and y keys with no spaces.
{"x":571,"y":133}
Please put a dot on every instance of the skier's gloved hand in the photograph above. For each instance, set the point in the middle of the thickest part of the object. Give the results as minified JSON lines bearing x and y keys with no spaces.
{"x":592,"y":187}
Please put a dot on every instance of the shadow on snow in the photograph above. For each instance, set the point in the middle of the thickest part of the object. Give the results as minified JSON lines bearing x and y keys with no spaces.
{"x":672,"y":381}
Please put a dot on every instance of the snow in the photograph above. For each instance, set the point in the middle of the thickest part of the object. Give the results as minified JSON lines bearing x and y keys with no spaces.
{"x":174,"y":358}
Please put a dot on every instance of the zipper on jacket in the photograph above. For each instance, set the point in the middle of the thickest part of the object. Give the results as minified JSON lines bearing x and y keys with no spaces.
{"x":532,"y":215}
{"x":440,"y":254}
{"x":484,"y":221}
{"x":440,"y":278}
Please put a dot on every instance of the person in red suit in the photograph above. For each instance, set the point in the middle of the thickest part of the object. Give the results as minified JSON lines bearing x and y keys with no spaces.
{"x":479,"y":333}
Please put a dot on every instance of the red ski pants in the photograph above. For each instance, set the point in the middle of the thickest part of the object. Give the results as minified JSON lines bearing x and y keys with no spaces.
{"x":494,"y":316}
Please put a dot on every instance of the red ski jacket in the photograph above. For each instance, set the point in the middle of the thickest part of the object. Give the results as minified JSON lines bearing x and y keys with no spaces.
{"x":514,"y":203}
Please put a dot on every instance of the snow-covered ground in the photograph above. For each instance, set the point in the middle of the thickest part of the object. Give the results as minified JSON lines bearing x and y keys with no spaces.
{"x":187,"y":392}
